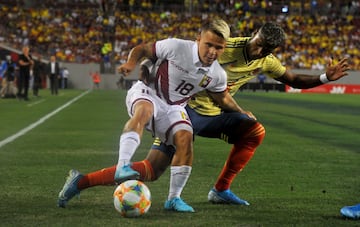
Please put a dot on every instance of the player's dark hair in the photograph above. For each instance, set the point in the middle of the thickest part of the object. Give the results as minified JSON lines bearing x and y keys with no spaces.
{"x":272,"y":34}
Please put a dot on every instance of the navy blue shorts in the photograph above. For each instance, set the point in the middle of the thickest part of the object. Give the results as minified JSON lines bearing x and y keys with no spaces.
{"x":228,"y":126}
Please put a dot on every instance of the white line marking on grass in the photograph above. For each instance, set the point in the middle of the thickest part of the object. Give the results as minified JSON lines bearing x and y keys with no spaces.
{"x":40,"y":121}
{"x":37,"y":102}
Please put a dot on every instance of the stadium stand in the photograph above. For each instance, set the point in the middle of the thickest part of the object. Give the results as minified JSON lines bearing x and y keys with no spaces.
{"x":75,"y":31}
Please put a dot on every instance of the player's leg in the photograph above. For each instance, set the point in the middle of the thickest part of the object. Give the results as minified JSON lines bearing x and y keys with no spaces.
{"x":240,"y":154}
{"x":235,"y":128}
{"x":142,"y":108}
{"x":182,"y":137}
{"x":180,"y":171}
{"x":130,"y":140}
{"x":150,"y":169}
{"x":159,"y":157}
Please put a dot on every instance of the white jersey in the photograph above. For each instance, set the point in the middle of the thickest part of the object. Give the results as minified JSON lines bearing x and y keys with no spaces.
{"x":180,"y":74}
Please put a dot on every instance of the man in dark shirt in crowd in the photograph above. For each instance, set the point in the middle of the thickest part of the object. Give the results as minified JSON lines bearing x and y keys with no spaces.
{"x":25,"y":62}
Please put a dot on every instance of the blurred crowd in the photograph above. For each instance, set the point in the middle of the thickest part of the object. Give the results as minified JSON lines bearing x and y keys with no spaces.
{"x":95,"y":31}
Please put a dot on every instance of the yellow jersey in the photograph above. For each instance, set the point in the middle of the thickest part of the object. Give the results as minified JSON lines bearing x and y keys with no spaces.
{"x":239,"y":71}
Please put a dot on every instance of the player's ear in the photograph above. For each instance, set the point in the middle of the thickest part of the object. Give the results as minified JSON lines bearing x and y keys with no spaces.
{"x":198,"y":37}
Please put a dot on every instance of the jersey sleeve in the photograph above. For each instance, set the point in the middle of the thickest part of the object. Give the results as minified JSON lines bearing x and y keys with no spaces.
{"x":166,"y":48}
{"x":272,"y":67}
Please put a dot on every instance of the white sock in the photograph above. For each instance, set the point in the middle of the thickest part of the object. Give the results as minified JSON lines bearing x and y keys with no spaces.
{"x":178,"y":178}
{"x":129,"y":142}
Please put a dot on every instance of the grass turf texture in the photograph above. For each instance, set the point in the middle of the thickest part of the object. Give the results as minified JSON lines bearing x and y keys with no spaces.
{"x":303,"y":173}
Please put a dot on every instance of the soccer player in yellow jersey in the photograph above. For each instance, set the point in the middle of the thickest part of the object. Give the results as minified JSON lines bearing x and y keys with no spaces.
{"x":243,"y":59}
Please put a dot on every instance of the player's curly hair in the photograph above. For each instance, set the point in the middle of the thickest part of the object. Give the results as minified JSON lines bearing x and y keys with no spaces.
{"x":272,"y":34}
{"x":218,"y":26}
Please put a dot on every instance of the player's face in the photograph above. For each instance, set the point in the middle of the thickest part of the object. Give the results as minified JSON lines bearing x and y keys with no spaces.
{"x":257,"y":48}
{"x":211,"y":46}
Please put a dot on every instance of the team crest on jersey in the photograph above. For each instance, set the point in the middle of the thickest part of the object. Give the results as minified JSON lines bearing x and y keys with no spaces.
{"x":205,"y":81}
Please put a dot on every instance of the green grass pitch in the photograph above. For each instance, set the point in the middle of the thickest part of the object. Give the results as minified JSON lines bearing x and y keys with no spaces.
{"x":306,"y":169}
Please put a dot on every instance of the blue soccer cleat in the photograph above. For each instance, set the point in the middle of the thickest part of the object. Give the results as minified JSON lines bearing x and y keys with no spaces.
{"x":177,"y":204}
{"x":227,"y":197}
{"x":352,"y":212}
{"x":125,"y":173}
{"x":70,"y":188}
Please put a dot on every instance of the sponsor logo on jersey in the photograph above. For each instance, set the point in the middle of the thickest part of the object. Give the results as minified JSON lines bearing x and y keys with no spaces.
{"x":179,"y":67}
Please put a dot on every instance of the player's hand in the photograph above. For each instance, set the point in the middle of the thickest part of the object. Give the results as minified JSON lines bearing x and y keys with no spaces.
{"x":335,"y":72}
{"x":126,"y":68}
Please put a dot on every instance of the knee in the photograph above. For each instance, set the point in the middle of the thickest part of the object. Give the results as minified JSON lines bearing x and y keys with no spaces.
{"x":184,"y":149}
{"x":143,"y":111}
{"x":256,"y":134}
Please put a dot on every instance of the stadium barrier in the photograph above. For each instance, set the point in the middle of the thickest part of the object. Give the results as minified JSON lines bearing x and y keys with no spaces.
{"x":331,"y":88}
{"x":80,"y":79}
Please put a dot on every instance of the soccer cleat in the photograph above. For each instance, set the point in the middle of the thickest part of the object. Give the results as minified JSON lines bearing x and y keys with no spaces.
{"x":177,"y":204}
{"x":352,"y":212}
{"x":70,"y":188}
{"x":226,"y":196}
{"x":125,"y":173}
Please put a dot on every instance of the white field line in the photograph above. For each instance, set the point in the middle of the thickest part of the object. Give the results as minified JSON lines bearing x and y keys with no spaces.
{"x":35,"y":103}
{"x":40,"y":121}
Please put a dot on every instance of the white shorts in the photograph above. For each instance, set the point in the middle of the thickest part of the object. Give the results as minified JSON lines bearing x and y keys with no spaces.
{"x":167,"y":119}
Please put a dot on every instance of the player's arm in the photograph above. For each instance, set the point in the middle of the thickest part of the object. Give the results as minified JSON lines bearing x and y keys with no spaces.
{"x":333,"y":72}
{"x":136,"y":54}
{"x":228,"y":103}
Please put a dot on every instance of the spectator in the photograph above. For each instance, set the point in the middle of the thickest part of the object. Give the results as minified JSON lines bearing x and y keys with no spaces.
{"x":74,"y":36}
{"x":9,"y":89}
{"x":38,"y":69}
{"x":261,"y":78}
{"x":25,"y":63}
{"x":65,"y":74}
{"x":96,"y":78}
{"x":53,"y":72}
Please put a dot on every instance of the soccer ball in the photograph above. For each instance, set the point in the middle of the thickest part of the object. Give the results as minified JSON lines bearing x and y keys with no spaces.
{"x":132,"y":198}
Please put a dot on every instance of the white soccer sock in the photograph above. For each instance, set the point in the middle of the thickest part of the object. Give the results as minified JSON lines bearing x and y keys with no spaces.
{"x":178,"y":178}
{"x":129,"y":142}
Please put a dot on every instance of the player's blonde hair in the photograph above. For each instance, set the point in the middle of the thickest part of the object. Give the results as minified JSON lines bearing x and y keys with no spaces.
{"x":217,"y":26}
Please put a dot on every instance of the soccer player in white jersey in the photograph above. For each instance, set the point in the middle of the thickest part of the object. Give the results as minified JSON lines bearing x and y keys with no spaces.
{"x":182,"y":69}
